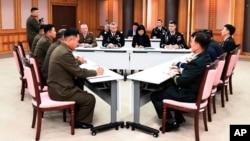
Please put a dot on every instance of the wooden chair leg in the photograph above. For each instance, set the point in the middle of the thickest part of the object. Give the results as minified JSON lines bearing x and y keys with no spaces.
{"x":34,"y":118}
{"x":230,"y":84}
{"x":209,"y":110}
{"x":214,"y":106}
{"x":222,"y":97}
{"x":196,"y":126}
{"x":164,"y":118}
{"x":205,"y":119}
{"x":39,"y":125}
{"x":23,"y":88}
{"x":64,"y":115}
{"x":72,"y":120}
{"x":226,"y":93}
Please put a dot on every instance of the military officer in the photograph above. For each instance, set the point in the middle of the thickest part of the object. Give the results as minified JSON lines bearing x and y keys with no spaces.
{"x":104,"y":31}
{"x":87,"y":39}
{"x":159,"y":30}
{"x":184,"y":84}
{"x":44,"y":42}
{"x":32,"y":25}
{"x":113,"y":38}
{"x":63,"y":68}
{"x":172,"y":38}
{"x":228,"y":44}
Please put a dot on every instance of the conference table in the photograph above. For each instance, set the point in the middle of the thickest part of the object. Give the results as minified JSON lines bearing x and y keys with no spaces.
{"x":144,"y":83}
{"x":128,"y":58}
{"x":146,"y":59}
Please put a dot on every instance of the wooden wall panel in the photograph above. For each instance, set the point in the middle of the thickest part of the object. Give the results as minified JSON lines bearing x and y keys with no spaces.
{"x":183,"y":18}
{"x":138,"y":9}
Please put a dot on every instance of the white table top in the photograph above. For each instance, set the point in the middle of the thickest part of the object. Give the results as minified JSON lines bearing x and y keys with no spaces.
{"x":156,"y":74}
{"x":108,"y":75}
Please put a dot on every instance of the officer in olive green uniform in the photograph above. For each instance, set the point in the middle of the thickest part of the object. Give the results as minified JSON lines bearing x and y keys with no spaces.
{"x":44,"y":42}
{"x":87,"y":39}
{"x":37,"y":37}
{"x":63,"y":68}
{"x":32,"y":26}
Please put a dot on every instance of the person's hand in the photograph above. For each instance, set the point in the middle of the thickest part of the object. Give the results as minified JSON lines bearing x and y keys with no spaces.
{"x":173,"y":71}
{"x":110,"y":45}
{"x":99,"y":71}
{"x":168,"y":46}
{"x":175,"y":46}
{"x":140,"y":46}
{"x":81,"y":59}
{"x":175,"y":63}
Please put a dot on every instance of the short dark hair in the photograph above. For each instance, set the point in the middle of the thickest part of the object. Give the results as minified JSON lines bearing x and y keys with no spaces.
{"x":172,"y":22}
{"x":60,"y":33}
{"x":208,"y":32}
{"x":141,"y":27}
{"x":159,"y":20}
{"x":201,"y":38}
{"x":33,"y":9}
{"x":48,"y":27}
{"x":135,"y":23}
{"x":71,"y":32}
{"x":231,"y":28}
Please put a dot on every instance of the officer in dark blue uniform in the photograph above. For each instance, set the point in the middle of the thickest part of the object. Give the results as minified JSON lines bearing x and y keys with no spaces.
{"x":113,"y":38}
{"x":172,"y":38}
{"x":159,"y":30}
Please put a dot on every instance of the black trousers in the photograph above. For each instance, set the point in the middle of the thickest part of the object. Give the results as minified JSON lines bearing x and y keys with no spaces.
{"x":170,"y":91}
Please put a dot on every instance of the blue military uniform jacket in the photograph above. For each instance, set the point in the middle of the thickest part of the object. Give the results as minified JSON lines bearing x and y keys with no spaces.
{"x":228,"y":44}
{"x":158,"y":32}
{"x":117,"y":39}
{"x":177,"y":38}
{"x":186,"y":85}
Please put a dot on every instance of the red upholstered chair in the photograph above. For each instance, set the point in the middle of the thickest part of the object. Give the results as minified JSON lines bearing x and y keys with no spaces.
{"x":19,"y":65}
{"x":42,"y":103}
{"x":33,"y":60}
{"x":221,"y":64}
{"x":201,"y":103}
{"x":227,"y":72}
{"x":236,"y":61}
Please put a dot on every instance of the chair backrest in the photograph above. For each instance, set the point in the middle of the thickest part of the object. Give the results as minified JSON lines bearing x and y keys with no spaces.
{"x":229,"y":64}
{"x":207,"y":83}
{"x":21,"y":49}
{"x":34,"y":62}
{"x":221,"y":64}
{"x":31,"y":80}
{"x":18,"y":61}
{"x":237,"y":54}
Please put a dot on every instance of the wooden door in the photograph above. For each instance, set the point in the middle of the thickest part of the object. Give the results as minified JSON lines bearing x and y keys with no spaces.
{"x":63,"y":16}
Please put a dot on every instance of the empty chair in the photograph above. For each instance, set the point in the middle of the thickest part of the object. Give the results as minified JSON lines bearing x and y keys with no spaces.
{"x":227,"y":72}
{"x":236,"y":61}
{"x":221,"y":64}
{"x":201,"y":102}
{"x":19,"y":65}
{"x":41,"y":101}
